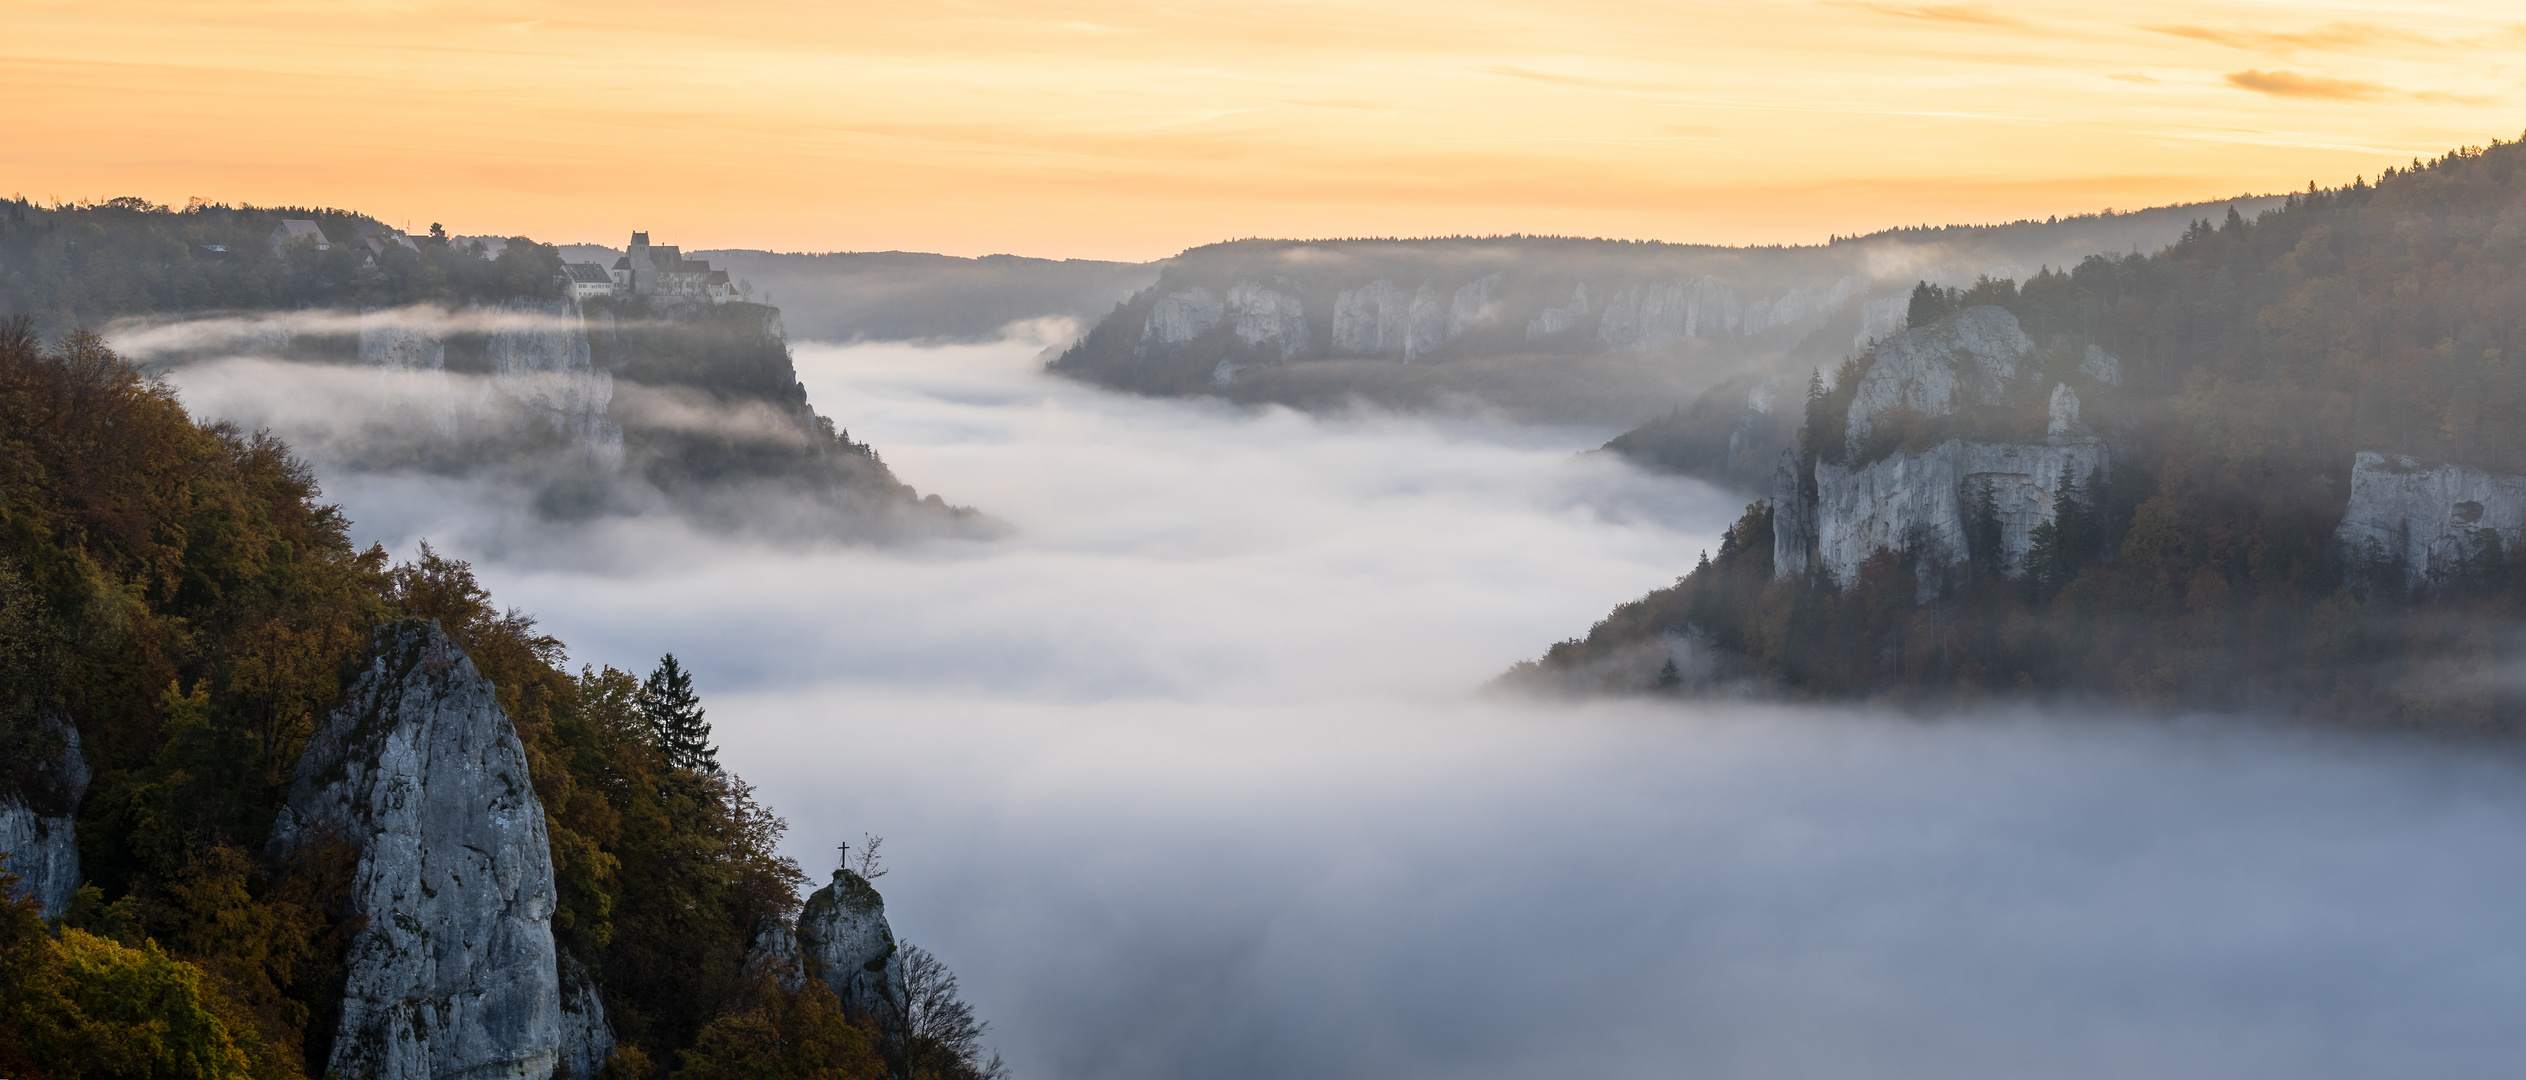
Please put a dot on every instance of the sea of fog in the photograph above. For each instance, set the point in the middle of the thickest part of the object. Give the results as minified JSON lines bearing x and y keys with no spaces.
{"x":1190,"y":776}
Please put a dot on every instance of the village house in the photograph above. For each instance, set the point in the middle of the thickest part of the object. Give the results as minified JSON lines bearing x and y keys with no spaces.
{"x":299,"y":229}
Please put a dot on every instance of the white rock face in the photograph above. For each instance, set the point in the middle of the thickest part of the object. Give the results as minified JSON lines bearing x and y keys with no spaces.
{"x":1371,"y":319}
{"x":1554,"y":320}
{"x":2101,"y":367}
{"x":541,"y":362}
{"x":1381,"y":318}
{"x":2065,"y":414}
{"x":2433,"y":517}
{"x":43,"y":848}
{"x":844,"y":939}
{"x":1934,"y":370}
{"x":1472,"y":307}
{"x":1667,"y":312}
{"x":1262,"y":315}
{"x":1919,"y":502}
{"x":1179,"y":317}
{"x":454,"y":973}
{"x":541,"y":374}
{"x":395,"y":344}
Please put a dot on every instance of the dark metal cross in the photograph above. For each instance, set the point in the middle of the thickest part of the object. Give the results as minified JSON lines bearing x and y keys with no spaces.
{"x":846,"y":856}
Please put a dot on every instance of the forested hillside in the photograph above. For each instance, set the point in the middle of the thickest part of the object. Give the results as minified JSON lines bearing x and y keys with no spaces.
{"x":179,"y":596}
{"x":2203,"y":568}
{"x":1558,"y":329}
{"x":81,"y":267}
{"x":611,"y":405}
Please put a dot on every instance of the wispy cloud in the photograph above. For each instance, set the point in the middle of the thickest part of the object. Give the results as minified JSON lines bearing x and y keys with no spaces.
{"x":2333,"y":36}
{"x":1969,"y":14}
{"x":2291,"y":84}
{"x":1564,"y":78}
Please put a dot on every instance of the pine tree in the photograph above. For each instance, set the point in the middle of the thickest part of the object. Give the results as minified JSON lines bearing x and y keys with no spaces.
{"x":675,"y":714}
{"x":1983,"y":535}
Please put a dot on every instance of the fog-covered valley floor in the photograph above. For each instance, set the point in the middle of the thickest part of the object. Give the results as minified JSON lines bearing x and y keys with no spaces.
{"x":1190,"y":777}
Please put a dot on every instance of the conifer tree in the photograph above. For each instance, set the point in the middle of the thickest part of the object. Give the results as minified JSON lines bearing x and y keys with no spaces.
{"x":675,"y":714}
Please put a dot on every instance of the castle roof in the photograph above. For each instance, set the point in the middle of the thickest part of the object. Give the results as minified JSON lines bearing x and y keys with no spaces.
{"x":587,"y":273}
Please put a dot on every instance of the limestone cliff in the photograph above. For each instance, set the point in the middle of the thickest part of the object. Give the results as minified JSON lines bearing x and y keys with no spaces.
{"x":36,"y":827}
{"x":1831,"y":516}
{"x":1921,"y":503}
{"x":454,"y":970}
{"x":540,"y":375}
{"x":1935,"y":370}
{"x":2429,"y":520}
{"x":843,"y":939}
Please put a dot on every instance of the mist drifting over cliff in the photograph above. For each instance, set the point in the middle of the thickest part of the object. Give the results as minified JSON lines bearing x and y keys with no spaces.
{"x":1188,"y":776}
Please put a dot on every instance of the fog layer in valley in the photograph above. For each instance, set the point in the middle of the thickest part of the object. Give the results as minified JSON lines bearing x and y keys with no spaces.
{"x":1189,"y":777}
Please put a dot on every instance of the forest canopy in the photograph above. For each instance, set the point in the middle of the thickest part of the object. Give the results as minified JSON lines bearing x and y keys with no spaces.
{"x":181,"y":596}
{"x":84,"y":265}
{"x":2257,"y":357}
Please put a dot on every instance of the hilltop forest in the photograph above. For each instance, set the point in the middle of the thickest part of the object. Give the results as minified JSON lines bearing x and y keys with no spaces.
{"x":179,"y":593}
{"x":2257,"y":356}
{"x":84,"y":266}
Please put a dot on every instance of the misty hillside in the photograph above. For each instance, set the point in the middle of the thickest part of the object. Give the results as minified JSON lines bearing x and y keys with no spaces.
{"x":459,"y":358}
{"x":909,"y":296}
{"x":2276,"y":464}
{"x":1553,"y":329}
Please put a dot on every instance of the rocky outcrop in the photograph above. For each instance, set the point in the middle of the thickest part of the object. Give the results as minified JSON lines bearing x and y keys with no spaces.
{"x":1179,"y":317}
{"x":843,"y":939}
{"x":1935,"y":370}
{"x":2430,"y":521}
{"x":1473,"y":306}
{"x":1920,"y":503}
{"x":1559,"y":317}
{"x":1833,"y":518}
{"x":774,"y":954}
{"x":1384,"y":319}
{"x":1667,"y":312}
{"x":1267,"y":318}
{"x":453,"y":971}
{"x":1267,"y":321}
{"x":37,"y":828}
{"x":587,"y":1040}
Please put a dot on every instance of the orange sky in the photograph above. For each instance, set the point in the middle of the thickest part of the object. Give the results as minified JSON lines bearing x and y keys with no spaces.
{"x":1134,"y":128}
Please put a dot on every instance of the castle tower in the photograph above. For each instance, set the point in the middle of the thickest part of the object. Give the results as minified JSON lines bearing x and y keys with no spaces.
{"x":642,"y":284}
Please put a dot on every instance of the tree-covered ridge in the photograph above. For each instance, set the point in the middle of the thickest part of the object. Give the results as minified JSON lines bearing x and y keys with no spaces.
{"x":179,"y":593}
{"x":84,"y":265}
{"x":2257,"y":356}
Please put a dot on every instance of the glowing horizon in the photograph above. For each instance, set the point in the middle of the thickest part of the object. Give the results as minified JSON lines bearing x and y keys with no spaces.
{"x":1130,"y":129}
